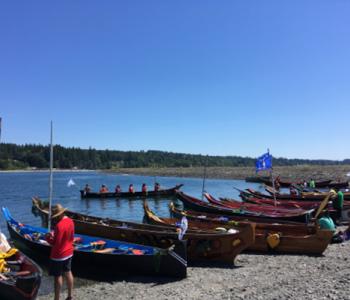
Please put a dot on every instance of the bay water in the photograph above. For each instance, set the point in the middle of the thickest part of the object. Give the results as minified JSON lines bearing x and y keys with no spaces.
{"x":17,"y":189}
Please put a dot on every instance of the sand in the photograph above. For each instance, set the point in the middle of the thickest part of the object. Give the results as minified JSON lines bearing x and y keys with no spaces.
{"x":254,"y":277}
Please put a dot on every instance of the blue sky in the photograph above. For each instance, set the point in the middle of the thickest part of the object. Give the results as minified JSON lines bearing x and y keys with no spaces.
{"x":209,"y":77}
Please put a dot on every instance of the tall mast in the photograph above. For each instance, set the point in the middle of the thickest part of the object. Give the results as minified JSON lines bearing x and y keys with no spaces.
{"x":50,"y":181}
{"x":204,"y":175}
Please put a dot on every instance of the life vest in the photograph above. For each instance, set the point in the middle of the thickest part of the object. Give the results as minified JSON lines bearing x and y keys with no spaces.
{"x":3,"y":256}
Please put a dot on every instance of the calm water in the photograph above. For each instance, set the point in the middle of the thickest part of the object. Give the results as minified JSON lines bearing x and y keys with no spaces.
{"x":16,"y":190}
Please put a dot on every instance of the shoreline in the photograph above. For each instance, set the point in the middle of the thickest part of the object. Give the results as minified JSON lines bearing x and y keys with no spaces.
{"x":289,"y":173}
{"x":45,"y":171}
{"x":255,"y":276}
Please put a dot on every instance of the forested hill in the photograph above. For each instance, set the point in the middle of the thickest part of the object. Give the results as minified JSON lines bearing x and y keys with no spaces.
{"x":14,"y":156}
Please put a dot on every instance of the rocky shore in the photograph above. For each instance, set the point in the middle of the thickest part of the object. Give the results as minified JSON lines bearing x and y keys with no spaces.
{"x":267,"y":277}
{"x":292,"y":173}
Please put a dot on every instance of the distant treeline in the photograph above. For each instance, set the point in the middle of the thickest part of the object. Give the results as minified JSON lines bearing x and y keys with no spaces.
{"x":14,"y":156}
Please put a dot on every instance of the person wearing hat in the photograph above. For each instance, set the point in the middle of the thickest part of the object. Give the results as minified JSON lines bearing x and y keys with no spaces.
{"x":62,"y":250}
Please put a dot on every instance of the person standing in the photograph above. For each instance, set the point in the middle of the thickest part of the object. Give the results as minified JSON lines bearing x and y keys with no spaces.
{"x":338,"y":202}
{"x":312,"y":184}
{"x":62,"y":250}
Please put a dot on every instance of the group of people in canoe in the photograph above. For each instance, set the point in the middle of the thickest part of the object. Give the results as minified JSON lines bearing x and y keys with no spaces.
{"x":118,"y":189}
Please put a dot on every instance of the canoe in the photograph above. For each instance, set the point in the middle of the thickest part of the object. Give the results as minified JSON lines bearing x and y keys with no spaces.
{"x":199,"y":205}
{"x":165,"y":192}
{"x":258,"y":179}
{"x":287,"y":204}
{"x":293,"y":238}
{"x":22,"y":279}
{"x":202,"y":246}
{"x":338,"y":185}
{"x":308,"y":196}
{"x":232,"y":203}
{"x":113,"y":259}
{"x":284,"y":183}
{"x":318,"y":184}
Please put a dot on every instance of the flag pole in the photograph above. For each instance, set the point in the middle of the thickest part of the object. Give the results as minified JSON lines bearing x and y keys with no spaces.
{"x":273,"y":182}
{"x":204,"y":175}
{"x":50,"y":181}
{"x":0,"y":143}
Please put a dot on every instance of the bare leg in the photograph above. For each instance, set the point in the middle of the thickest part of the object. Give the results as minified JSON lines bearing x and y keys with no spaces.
{"x":58,"y":286}
{"x":70,"y":282}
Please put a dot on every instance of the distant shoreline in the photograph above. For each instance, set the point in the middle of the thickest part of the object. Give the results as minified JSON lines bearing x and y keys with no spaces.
{"x":44,"y":170}
{"x":301,"y":172}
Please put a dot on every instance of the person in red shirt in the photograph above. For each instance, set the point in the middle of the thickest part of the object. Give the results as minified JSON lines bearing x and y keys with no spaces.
{"x":144,"y":188}
{"x":131,"y":188}
{"x":103,"y":189}
{"x":62,"y":250}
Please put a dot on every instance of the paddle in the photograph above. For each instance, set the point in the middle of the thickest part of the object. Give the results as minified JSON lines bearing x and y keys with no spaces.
{"x":323,"y":204}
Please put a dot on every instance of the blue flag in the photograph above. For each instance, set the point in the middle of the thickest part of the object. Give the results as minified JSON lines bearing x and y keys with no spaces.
{"x":264,"y":162}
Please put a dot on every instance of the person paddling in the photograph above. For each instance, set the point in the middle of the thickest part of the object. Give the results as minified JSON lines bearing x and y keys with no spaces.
{"x":118,"y":189}
{"x":103,"y":189}
{"x":144,"y":188}
{"x":62,"y":250}
{"x":156,"y":187}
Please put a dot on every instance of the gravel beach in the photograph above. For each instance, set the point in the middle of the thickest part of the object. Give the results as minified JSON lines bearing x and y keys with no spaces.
{"x":254,"y":277}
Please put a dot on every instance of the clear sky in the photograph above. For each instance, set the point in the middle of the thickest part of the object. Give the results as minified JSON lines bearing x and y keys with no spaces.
{"x":192,"y":76}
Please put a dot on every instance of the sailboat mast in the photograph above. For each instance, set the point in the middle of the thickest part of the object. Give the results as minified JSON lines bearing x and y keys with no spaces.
{"x":50,"y":180}
{"x":204,"y":175}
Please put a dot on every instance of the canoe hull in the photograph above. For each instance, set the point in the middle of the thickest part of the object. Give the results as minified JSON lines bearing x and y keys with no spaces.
{"x":199,"y":244}
{"x":25,"y":287}
{"x":293,"y":238}
{"x":88,"y":263}
{"x":150,"y":194}
{"x":196,"y":204}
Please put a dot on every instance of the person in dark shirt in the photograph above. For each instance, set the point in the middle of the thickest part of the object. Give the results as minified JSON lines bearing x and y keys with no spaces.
{"x":118,"y":189}
{"x":156,"y":187}
{"x":87,"y":188}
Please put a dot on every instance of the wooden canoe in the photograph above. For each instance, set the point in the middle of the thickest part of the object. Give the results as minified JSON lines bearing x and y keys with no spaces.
{"x":202,"y":246}
{"x":293,"y":238}
{"x":114,"y":259}
{"x":308,"y":196}
{"x":285,"y":183}
{"x":258,"y":179}
{"x":338,"y":185}
{"x":163,"y":192}
{"x":269,"y":209}
{"x":199,"y":205}
{"x":22,"y":281}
